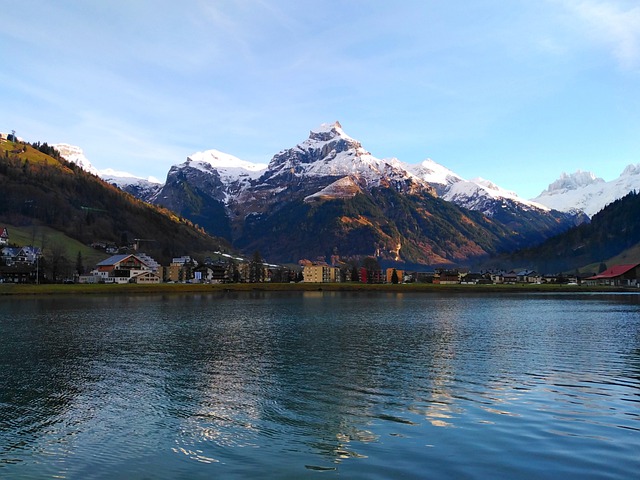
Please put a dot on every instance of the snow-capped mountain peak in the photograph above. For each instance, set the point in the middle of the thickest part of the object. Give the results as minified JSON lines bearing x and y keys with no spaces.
{"x":573,"y":181}
{"x":74,"y":154}
{"x":483,"y":195}
{"x":588,"y":193}
{"x":330,"y":152}
{"x":433,"y":172}
{"x":143,"y":188}
{"x":221,"y":160}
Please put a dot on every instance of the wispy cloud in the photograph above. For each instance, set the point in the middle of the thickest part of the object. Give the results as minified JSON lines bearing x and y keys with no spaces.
{"x":612,"y":23}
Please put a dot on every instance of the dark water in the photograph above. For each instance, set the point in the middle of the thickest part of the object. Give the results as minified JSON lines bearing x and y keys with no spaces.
{"x":320,"y":385}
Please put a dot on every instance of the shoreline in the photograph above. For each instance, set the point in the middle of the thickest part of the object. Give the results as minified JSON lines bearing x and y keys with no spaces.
{"x":165,"y":288}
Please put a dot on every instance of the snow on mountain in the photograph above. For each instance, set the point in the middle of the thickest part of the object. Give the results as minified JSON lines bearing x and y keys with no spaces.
{"x":140,"y":187}
{"x":574,"y":181}
{"x":330,"y":152}
{"x":124,"y":178}
{"x":585,"y":192}
{"x":74,"y":154}
{"x":435,"y":174}
{"x":476,"y":194}
{"x":483,"y":195}
{"x":229,"y":168}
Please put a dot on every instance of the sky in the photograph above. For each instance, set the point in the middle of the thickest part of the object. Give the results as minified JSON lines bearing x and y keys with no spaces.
{"x":514,"y":91}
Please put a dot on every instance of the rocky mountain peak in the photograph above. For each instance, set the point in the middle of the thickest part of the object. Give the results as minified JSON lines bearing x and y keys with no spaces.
{"x":572,"y":181}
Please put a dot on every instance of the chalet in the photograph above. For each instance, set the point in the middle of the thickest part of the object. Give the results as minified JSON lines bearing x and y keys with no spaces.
{"x":127,"y":268}
{"x":510,"y":278}
{"x":4,"y":236}
{"x":26,"y":255}
{"x":474,"y":278}
{"x":210,"y":274}
{"x":447,"y":277}
{"x":617,"y":276}
{"x":528,"y":276}
{"x":17,"y":274}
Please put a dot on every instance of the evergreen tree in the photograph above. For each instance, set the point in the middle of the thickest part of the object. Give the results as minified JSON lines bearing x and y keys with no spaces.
{"x":256,"y":268}
{"x":394,"y":277}
{"x":79,"y":265}
{"x":354,"y":273}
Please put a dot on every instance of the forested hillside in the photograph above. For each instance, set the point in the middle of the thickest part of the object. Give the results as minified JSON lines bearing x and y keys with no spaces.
{"x":39,"y":187}
{"x":611,"y":231}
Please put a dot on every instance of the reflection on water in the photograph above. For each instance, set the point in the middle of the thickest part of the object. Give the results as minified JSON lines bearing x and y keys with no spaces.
{"x":291,"y":385}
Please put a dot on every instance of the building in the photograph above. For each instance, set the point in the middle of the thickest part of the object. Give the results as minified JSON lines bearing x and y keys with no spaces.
{"x":399,"y":274}
{"x":181,"y":269}
{"x":210,"y":274}
{"x":4,"y":236}
{"x":447,"y":277}
{"x":617,"y":276}
{"x":371,"y":276}
{"x":26,"y":255}
{"x":528,"y":276}
{"x":127,"y":268}
{"x":320,"y":274}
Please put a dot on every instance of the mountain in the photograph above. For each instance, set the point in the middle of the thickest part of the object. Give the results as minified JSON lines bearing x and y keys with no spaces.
{"x":329,"y":193}
{"x":436,"y":175}
{"x":143,"y":188}
{"x":612,"y":231}
{"x":42,"y":188}
{"x":585,"y":192}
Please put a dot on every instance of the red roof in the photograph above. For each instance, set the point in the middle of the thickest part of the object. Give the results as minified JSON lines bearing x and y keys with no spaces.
{"x":615,"y":271}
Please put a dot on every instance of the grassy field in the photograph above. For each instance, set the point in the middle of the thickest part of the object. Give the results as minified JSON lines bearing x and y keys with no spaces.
{"x":39,"y":235}
{"x":102,"y":289}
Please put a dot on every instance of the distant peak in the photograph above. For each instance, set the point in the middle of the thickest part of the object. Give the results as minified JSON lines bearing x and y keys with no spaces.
{"x":572,"y":181}
{"x":631,"y":170}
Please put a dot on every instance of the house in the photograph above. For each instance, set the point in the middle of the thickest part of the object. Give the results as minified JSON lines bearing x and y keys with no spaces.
{"x":510,"y":278}
{"x":447,"y":277}
{"x":9,"y":254}
{"x":320,"y":273}
{"x":127,"y":268}
{"x":617,"y":276}
{"x":474,"y":278}
{"x":4,"y":236}
{"x":26,"y":255}
{"x":211,"y":273}
{"x":528,"y":276}
{"x":17,"y":274}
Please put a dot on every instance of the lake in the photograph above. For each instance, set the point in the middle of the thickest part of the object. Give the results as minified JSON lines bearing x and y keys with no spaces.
{"x":320,"y":385}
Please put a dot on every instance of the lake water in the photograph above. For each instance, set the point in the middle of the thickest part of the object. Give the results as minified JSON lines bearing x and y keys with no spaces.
{"x":320,"y":385}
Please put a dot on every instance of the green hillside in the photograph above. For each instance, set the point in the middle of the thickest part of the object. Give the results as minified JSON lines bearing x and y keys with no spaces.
{"x":42,"y":235}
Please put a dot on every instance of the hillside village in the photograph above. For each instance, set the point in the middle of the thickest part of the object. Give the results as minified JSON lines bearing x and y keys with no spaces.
{"x":30,"y":264}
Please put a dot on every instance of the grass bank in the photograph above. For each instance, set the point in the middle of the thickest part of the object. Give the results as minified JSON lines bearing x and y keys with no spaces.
{"x":164,"y":288}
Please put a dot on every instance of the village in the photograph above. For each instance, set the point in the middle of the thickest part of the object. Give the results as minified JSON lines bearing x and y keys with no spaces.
{"x":21,"y":264}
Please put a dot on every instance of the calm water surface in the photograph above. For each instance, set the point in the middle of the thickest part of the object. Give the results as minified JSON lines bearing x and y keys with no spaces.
{"x":320,"y":385}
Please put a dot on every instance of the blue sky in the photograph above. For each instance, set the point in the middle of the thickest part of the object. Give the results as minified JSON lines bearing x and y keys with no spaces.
{"x":515,"y":91}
